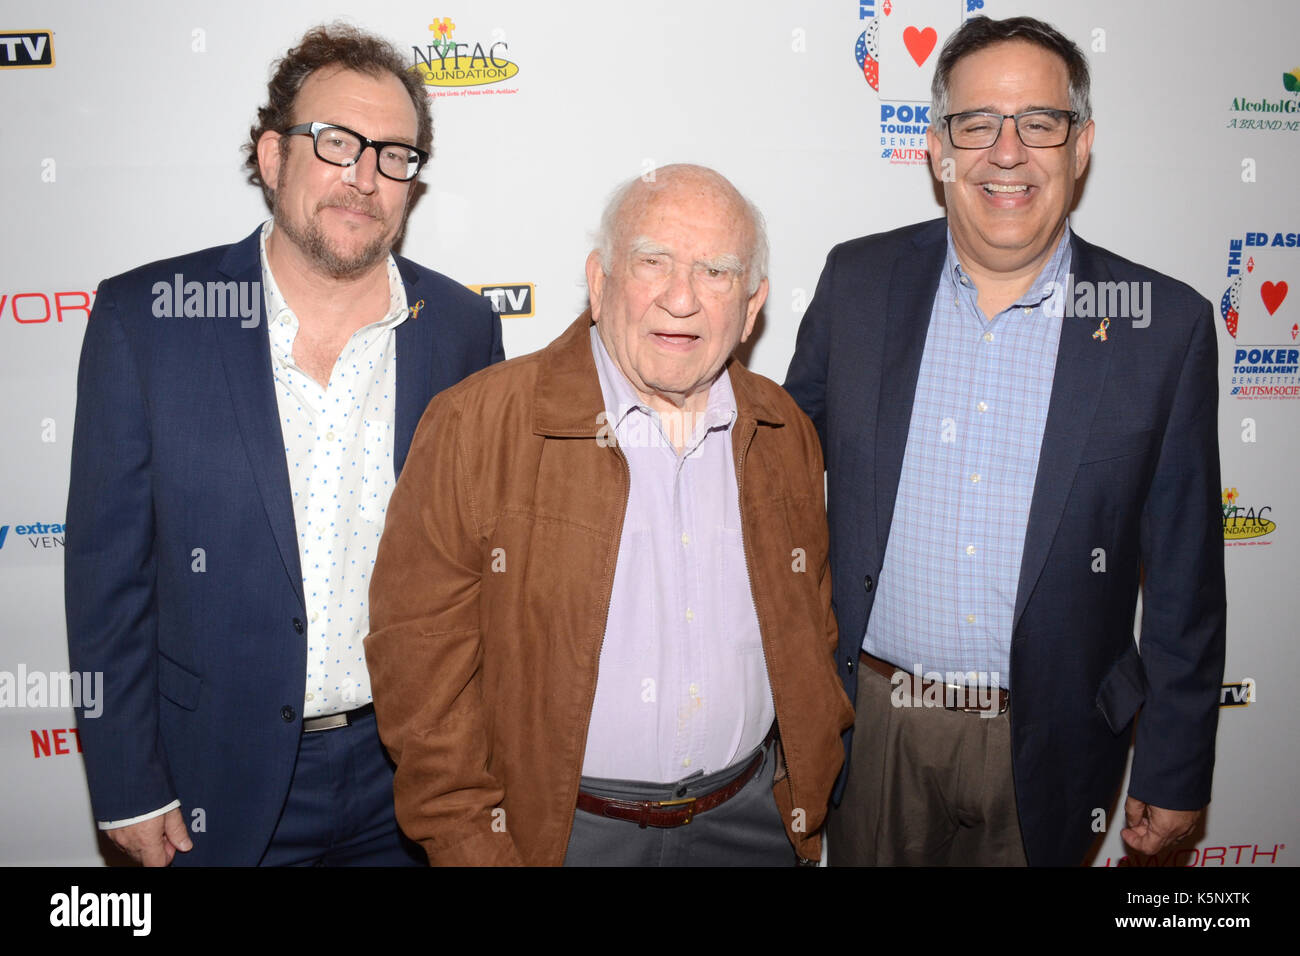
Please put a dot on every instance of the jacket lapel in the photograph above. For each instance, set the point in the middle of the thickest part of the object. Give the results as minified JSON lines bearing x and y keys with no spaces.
{"x":415,"y":362}
{"x":1081,"y":366}
{"x":246,"y":354}
{"x":912,"y":289}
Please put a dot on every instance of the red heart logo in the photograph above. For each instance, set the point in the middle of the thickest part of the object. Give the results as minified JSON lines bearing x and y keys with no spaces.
{"x":1272,"y":295}
{"x":920,"y":43}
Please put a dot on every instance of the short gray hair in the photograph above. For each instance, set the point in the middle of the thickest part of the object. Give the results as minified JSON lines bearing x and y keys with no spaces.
{"x":611,"y":220}
{"x":977,"y":33}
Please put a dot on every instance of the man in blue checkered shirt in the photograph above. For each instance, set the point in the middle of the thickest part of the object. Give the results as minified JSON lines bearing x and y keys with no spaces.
{"x":1020,"y":431}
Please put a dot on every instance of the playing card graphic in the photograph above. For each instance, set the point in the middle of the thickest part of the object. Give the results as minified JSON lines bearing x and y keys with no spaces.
{"x":900,"y":44}
{"x":1259,"y":293}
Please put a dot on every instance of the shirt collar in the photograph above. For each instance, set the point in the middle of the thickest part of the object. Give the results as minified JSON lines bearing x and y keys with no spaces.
{"x":1051,"y":280}
{"x":621,"y":398}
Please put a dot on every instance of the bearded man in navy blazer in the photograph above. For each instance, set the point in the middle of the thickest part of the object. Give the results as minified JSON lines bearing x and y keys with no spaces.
{"x":242,"y":413}
{"x":1020,"y":431}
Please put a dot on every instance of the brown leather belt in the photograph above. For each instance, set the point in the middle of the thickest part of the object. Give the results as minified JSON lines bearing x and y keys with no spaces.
{"x":333,"y":721}
{"x":671,"y":813}
{"x":939,"y":692}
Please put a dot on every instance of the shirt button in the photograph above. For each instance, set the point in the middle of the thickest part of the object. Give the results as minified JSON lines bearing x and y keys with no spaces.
{"x":284,"y":319}
{"x":988,"y":336}
{"x":686,"y":762}
{"x":1028,"y":311}
{"x":983,"y":407}
{"x":975,"y":479}
{"x":311,"y":696}
{"x":970,"y":549}
{"x":686,"y":538}
{"x":329,"y":436}
{"x":690,"y":615}
{"x":315,"y":616}
{"x":970,"y":618}
{"x":695,"y":691}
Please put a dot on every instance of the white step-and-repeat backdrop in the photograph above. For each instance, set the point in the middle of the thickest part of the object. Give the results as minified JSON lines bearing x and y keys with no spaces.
{"x":122,"y":129}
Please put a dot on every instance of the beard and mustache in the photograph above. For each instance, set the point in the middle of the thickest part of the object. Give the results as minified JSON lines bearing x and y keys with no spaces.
{"x":322,"y":250}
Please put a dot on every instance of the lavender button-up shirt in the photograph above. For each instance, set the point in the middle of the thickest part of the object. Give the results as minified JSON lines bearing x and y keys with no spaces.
{"x":682,"y":686}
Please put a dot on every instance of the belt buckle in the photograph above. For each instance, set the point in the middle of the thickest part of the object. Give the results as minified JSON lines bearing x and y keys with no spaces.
{"x":996,"y":706}
{"x":685,"y":801}
{"x":328,"y":722}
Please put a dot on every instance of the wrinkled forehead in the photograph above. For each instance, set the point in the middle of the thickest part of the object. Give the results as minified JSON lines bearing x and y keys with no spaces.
{"x":692,"y":206}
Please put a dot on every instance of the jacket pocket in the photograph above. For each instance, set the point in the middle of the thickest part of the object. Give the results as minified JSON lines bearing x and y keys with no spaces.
{"x":177,"y":684}
{"x":1122,"y":690}
{"x":1107,"y":445}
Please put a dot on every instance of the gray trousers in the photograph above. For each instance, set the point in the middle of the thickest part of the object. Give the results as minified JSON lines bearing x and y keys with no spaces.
{"x":926,"y":787}
{"x":747,"y":830}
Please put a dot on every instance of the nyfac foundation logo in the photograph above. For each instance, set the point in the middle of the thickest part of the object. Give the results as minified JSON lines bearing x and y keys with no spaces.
{"x":1261,"y":316}
{"x":453,"y":65}
{"x":896,"y":54}
{"x":25,"y":49}
{"x":1244,"y":522}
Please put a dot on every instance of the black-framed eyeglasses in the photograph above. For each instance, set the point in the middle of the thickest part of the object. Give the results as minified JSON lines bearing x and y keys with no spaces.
{"x":341,"y":146}
{"x":1037,"y":129}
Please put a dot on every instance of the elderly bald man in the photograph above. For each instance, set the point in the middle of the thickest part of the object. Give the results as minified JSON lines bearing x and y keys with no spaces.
{"x":602,"y":585}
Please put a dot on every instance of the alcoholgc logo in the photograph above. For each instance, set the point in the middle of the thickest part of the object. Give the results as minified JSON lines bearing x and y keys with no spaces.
{"x":445,"y":61}
{"x":895,"y":54}
{"x":1244,"y":522}
{"x":1278,"y":111}
{"x":1260,"y":317}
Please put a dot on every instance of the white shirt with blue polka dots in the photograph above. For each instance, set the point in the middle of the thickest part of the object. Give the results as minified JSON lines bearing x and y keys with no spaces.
{"x":338,"y":441}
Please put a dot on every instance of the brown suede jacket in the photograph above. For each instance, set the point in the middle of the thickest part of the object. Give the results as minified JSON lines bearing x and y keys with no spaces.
{"x":492,"y":585}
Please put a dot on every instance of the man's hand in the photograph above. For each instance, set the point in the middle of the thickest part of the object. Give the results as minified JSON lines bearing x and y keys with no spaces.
{"x":1151,"y":829}
{"x":154,"y":842}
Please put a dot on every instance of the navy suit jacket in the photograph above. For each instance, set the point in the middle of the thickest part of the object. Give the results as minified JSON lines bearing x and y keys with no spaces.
{"x":1129,"y":465}
{"x":183,"y":583}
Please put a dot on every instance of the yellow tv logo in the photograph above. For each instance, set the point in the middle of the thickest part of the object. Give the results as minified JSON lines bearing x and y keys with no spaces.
{"x":508,"y":301}
{"x":26,"y":49}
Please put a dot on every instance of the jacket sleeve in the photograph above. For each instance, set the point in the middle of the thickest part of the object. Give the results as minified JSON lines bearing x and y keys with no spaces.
{"x":110,"y":573}
{"x":805,"y":379}
{"x":1183,"y":601}
{"x":425,"y":654}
